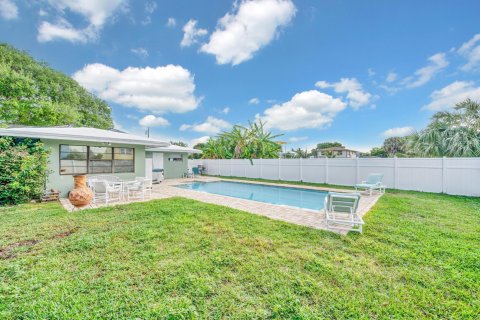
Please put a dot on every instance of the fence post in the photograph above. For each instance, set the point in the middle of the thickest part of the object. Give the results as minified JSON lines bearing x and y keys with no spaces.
{"x":261,"y":169}
{"x":326,"y":170}
{"x":395,"y":173}
{"x":357,"y":171}
{"x":301,"y":170}
{"x":279,"y":170}
{"x":245,"y":171}
{"x":231,"y":168}
{"x":444,"y":175}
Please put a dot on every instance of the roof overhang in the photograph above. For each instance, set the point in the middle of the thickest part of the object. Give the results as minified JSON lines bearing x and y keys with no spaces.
{"x":96,"y":136}
{"x":172,"y":148}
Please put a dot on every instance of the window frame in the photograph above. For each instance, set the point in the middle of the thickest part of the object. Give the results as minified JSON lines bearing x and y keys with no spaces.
{"x":60,"y":159}
{"x":113,"y":159}
{"x":88,"y":159}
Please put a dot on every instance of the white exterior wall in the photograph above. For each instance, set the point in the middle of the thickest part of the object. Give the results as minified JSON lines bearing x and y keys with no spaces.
{"x":459,"y":176}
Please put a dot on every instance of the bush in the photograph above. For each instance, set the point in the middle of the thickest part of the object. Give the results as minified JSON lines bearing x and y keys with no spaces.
{"x":23,"y":172}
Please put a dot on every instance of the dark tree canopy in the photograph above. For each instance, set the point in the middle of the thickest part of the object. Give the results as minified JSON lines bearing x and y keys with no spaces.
{"x":32,"y":93}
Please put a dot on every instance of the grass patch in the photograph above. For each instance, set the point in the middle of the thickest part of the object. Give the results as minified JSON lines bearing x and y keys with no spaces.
{"x":177,"y":258}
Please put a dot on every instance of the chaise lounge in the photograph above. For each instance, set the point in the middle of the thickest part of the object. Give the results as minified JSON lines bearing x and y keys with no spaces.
{"x":341,"y":212}
{"x":373,"y":182}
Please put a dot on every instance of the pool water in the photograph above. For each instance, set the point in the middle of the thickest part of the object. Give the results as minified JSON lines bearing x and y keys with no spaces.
{"x":294,"y":197}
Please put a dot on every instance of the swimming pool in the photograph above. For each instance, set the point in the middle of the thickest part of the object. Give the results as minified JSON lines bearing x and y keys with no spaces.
{"x":294,"y":197}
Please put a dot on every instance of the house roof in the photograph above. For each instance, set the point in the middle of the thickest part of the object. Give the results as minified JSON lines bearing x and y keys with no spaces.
{"x":81,"y":134}
{"x":174,"y":148}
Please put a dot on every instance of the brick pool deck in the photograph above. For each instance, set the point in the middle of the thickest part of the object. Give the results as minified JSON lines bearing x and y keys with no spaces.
{"x":304,"y":217}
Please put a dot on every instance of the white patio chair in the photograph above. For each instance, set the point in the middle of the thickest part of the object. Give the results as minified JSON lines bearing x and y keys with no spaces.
{"x":148,"y":185}
{"x":373,"y":182}
{"x":341,"y":212}
{"x":107,"y":177}
{"x":188,"y":174}
{"x":102,"y":190}
{"x":135,"y":190}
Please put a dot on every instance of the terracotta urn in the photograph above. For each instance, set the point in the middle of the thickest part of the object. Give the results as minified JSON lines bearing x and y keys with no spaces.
{"x":81,"y":195}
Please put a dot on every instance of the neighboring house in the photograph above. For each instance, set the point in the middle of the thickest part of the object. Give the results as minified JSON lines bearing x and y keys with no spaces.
{"x":338,"y":152}
{"x":88,"y":151}
{"x":173,"y":160}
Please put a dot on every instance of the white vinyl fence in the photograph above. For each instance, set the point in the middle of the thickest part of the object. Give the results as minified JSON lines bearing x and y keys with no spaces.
{"x":460,"y":176}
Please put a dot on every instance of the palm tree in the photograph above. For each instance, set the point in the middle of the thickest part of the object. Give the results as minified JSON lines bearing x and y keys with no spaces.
{"x":251,"y":142}
{"x":262,"y":143}
{"x":451,"y":133}
{"x":300,"y":153}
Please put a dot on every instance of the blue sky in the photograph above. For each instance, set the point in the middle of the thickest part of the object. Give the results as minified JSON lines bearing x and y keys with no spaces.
{"x":343,"y":70}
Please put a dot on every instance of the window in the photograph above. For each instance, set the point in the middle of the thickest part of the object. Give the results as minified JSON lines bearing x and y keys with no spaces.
{"x":124,"y":160}
{"x":100,"y":160}
{"x":73,"y":159}
{"x":83,"y":159}
{"x":175,"y":158}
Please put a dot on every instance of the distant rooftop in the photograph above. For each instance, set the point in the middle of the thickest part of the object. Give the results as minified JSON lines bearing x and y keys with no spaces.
{"x":81,"y":134}
{"x":338,"y":149}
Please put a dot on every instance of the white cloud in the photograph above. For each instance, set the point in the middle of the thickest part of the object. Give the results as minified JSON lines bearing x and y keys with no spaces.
{"x":150,"y":7}
{"x":191,"y":33}
{"x":371,"y":72}
{"x":254,"y":101}
{"x":62,"y":30}
{"x":171,"y":22}
{"x":437,"y":63}
{"x":308,"y":109}
{"x":162,"y":89}
{"x":390,"y":89}
{"x":456,"y":92}
{"x":211,"y":126}
{"x":117,"y":125}
{"x":203,"y":139}
{"x":226,"y":110}
{"x":297,"y":139}
{"x":96,"y":13}
{"x":398,"y":132}
{"x":141,"y":52}
{"x":356,"y":96}
{"x":152,"y":121}
{"x":8,"y":10}
{"x":249,"y":27}
{"x":471,"y":51}
{"x":392,"y":76}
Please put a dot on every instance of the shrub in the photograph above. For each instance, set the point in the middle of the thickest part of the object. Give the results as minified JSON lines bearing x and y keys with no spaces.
{"x":23,"y":171}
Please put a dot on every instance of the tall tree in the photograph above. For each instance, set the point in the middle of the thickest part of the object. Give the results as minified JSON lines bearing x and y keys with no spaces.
{"x":450,"y":133}
{"x":395,"y":146}
{"x":32,"y":93}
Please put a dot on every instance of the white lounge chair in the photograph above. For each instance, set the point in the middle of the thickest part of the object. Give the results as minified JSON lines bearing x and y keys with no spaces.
{"x":103,"y":190}
{"x":341,"y":212}
{"x":373,"y":182}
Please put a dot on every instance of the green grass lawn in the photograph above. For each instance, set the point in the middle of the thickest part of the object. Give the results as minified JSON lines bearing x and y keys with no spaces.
{"x":419,"y":257}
